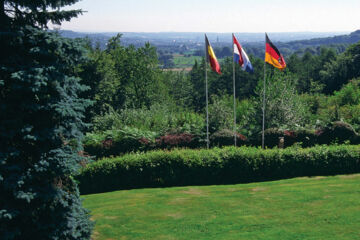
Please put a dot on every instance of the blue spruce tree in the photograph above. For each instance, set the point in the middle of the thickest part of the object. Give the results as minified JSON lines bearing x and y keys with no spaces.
{"x":40,"y":124}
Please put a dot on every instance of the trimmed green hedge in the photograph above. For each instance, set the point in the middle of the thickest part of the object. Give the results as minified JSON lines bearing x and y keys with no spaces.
{"x":228,"y":165}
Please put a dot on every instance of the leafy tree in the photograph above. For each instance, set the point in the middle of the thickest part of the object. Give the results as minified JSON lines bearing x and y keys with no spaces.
{"x":283,"y":107}
{"x":166,"y":60}
{"x":223,"y":52}
{"x":197,"y":79}
{"x":224,"y":82}
{"x":342,"y":69}
{"x":180,"y":88}
{"x":308,"y":68}
{"x":221,"y":113}
{"x":245,"y":82}
{"x":124,"y":76}
{"x":142,"y":76}
{"x":40,"y":124}
{"x":92,"y":73}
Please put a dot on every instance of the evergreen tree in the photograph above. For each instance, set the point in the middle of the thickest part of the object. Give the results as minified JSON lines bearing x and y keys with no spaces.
{"x":40,"y":125}
{"x":17,"y":13}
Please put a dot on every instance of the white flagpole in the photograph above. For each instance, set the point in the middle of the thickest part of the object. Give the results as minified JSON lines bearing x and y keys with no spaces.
{"x":207,"y":103}
{"x":234,"y":92}
{"x":263,"y":108}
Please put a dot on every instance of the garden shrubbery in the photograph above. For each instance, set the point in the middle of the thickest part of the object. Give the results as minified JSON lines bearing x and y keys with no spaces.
{"x":304,"y":137}
{"x":272,"y":136}
{"x":229,"y":165}
{"x":336,"y":132}
{"x":225,"y":137}
{"x":127,"y":139}
{"x":185,"y":140}
{"x":117,"y":142}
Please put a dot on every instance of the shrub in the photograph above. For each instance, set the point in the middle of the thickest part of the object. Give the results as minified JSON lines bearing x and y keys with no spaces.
{"x":272,"y":136}
{"x":338,"y":132}
{"x":348,"y":94}
{"x":175,"y":140}
{"x":284,"y":107}
{"x":307,"y":138}
{"x":229,"y":165}
{"x":107,"y":121}
{"x":220,"y":113}
{"x":118,"y":142}
{"x":160,"y":118}
{"x":225,"y":137}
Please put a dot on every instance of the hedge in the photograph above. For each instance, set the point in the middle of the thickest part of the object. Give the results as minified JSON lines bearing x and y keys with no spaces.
{"x":117,"y":142}
{"x":229,"y":165}
{"x":121,"y":141}
{"x":335,"y":132}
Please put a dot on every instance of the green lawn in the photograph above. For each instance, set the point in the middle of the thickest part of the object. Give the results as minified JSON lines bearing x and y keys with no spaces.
{"x":300,"y":208}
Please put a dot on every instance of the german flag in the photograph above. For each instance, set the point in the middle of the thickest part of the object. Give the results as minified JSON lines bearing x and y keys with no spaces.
{"x":273,"y":56}
{"x":211,"y":58}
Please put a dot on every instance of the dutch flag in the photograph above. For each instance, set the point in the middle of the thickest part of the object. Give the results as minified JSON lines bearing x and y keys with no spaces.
{"x":241,"y":57}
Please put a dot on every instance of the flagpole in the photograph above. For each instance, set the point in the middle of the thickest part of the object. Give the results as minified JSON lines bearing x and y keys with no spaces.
{"x":263,"y":108}
{"x":207,"y":103}
{"x":234,"y":93}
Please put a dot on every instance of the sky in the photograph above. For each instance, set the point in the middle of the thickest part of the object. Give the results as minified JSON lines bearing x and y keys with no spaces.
{"x":216,"y":16}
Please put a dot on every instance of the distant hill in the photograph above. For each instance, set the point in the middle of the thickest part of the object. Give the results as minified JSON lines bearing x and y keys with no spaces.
{"x":161,"y":38}
{"x":339,"y":43}
{"x":179,"y":42}
{"x":351,"y":38}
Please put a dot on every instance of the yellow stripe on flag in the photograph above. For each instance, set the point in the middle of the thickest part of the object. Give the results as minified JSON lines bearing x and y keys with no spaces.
{"x":275,"y":62}
{"x":211,"y":53}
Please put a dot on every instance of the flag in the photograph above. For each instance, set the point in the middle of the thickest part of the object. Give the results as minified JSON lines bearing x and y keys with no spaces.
{"x":211,"y":58}
{"x":273,"y":56}
{"x":241,"y":57}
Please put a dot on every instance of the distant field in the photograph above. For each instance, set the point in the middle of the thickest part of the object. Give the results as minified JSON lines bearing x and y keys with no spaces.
{"x":181,"y":61}
{"x":300,"y":208}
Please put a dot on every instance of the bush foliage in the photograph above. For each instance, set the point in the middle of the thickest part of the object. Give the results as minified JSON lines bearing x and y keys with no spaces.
{"x":229,"y":165}
{"x":117,"y":142}
{"x":225,"y":137}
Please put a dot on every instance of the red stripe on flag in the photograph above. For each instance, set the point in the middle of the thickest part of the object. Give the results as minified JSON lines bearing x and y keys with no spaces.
{"x":272,"y":51}
{"x":215,"y":65}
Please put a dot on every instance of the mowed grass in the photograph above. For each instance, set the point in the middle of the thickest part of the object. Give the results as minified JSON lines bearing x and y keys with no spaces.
{"x":300,"y":208}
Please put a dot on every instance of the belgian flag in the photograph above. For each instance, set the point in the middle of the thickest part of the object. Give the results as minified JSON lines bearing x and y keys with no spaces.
{"x":211,"y":58}
{"x":273,"y":56}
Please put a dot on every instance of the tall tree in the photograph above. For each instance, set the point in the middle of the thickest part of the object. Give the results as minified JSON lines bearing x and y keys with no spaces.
{"x":284,"y":107}
{"x":197,"y":79}
{"x":40,"y":124}
{"x":35,"y":13}
{"x":340,"y":70}
{"x":123,"y":76}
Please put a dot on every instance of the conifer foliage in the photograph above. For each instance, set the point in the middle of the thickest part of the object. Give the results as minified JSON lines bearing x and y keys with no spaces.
{"x":40,"y":125}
